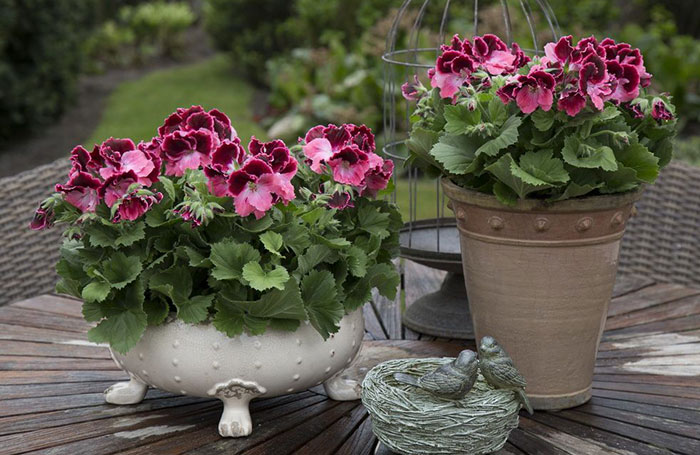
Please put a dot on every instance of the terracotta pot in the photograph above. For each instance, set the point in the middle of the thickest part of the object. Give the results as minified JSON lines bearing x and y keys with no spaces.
{"x":539,"y":278}
{"x":199,"y":360}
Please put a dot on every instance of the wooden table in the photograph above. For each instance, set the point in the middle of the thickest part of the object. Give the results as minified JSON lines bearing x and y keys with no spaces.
{"x":646,"y":396}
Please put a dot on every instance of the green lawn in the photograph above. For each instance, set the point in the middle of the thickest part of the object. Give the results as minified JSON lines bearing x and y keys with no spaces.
{"x":426,"y":199}
{"x":137,"y":108}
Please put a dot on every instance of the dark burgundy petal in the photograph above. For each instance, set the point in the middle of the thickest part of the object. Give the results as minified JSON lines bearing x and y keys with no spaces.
{"x":222,"y":124}
{"x":200,"y":120}
{"x":256,"y":167}
{"x":462,"y":63}
{"x":543,"y":79}
{"x":80,"y":158}
{"x":336,"y":135}
{"x":444,"y":62}
{"x":314,"y":133}
{"x":119,"y":145}
{"x":227,"y":153}
{"x":494,"y":43}
{"x":205,"y":141}
{"x":362,"y":137}
{"x":177,"y":143}
{"x":238,"y":180}
{"x":172,"y":123}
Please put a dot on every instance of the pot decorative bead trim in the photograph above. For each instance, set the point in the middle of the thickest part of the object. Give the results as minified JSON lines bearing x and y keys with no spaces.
{"x":199,"y":360}
{"x":539,"y":278}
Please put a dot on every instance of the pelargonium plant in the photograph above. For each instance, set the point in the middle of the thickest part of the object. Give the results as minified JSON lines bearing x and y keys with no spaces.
{"x":576,"y":121}
{"x":194,"y":225}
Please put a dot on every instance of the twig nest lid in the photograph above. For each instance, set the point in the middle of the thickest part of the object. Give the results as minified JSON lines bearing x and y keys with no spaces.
{"x":411,"y":421}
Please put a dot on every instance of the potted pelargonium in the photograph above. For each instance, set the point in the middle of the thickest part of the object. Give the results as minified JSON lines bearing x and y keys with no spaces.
{"x":542,"y":160}
{"x":212,"y":270}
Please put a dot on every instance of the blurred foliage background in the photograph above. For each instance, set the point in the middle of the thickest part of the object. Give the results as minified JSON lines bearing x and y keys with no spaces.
{"x":285,"y":65}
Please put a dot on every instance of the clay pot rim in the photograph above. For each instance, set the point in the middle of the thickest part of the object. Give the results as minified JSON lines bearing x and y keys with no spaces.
{"x":582,"y":204}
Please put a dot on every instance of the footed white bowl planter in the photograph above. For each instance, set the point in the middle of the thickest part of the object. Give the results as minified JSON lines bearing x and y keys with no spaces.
{"x":199,"y":360}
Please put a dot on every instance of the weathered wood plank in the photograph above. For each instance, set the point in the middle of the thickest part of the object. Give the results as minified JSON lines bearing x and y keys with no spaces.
{"x":532,"y":444}
{"x":651,"y":388}
{"x":566,"y":442}
{"x":19,"y":363}
{"x":27,"y":348}
{"x":331,"y":438}
{"x":31,"y":318}
{"x":51,"y":376}
{"x":649,"y":297}
{"x":55,"y":304}
{"x":626,"y":284}
{"x":648,"y":379}
{"x":677,"y":325}
{"x":663,"y":400}
{"x":671,"y":310}
{"x":621,"y":444}
{"x":293,"y":422}
{"x":42,"y":335}
{"x":672,"y":426}
{"x":46,"y":390}
{"x":684,"y":415}
{"x":373,"y":326}
{"x":361,"y":442}
{"x":658,"y":438}
{"x":646,"y":341}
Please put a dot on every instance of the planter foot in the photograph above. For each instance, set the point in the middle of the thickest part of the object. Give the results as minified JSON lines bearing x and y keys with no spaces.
{"x":235,"y":421}
{"x":342,"y":388}
{"x":131,"y":392}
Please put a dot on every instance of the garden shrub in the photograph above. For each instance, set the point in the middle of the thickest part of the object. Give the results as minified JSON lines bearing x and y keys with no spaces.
{"x":40,"y":59}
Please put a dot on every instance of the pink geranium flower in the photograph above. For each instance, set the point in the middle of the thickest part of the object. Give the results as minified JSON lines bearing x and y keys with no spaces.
{"x":362,"y":137}
{"x":133,"y":205}
{"x":226,"y":158}
{"x":341,"y":200}
{"x":571,"y":101}
{"x":184,"y":150}
{"x":81,"y":191}
{"x":195,"y":118}
{"x":255,"y":188}
{"x":322,"y":142}
{"x":377,"y":178}
{"x":532,"y":91}
{"x":594,"y":80}
{"x":349,"y":165}
{"x":116,"y":186}
{"x":452,"y":69}
{"x":43,"y":219}
{"x":493,"y":55}
{"x":625,"y":80}
{"x":560,"y":51}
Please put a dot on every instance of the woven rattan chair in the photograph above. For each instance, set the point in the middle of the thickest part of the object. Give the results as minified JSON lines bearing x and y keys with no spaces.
{"x":663,"y":240}
{"x":28,"y":258}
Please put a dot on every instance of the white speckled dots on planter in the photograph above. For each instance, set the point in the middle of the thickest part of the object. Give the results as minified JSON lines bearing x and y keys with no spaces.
{"x":198,"y":360}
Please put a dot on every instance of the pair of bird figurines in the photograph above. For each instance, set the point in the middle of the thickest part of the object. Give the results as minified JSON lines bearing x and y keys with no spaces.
{"x":455,"y":379}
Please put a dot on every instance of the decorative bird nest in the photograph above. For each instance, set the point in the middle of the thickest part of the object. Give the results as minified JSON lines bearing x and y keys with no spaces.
{"x":412,"y":421}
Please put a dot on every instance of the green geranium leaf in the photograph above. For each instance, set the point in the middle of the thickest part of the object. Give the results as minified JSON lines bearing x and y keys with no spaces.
{"x":337,"y":243}
{"x":313,"y":256}
{"x":92,"y":311}
{"x":96,"y":291}
{"x":122,"y":331}
{"x":156,"y":311}
{"x":130,"y":234}
{"x":373,"y":221}
{"x":621,"y":180}
{"x":510,"y":174}
{"x":460,"y":120}
{"x":639,"y":158}
{"x":284,"y":304}
{"x":256,"y":226}
{"x":196,"y":259}
{"x":420,"y":143}
{"x":297,"y":238}
{"x":542,"y":167}
{"x":175,"y":282}
{"x":385,"y":278}
{"x":286,"y":325}
{"x":120,"y":269}
{"x":588,"y":155}
{"x":543,"y":120}
{"x":100,"y":235}
{"x":228,"y":318}
{"x":506,"y":136}
{"x":168,"y":187}
{"x":195,"y":309}
{"x":357,"y":261}
{"x":574,"y":189}
{"x":229,"y":257}
{"x":505,"y":194}
{"x":324,"y":309}
{"x":272,"y":242}
{"x":456,"y":154}
{"x":261,"y":280}
{"x":497,"y":111}
{"x":663,"y":150}
{"x":607,"y":114}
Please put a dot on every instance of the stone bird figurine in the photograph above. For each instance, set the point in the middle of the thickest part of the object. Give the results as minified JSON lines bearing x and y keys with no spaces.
{"x":452,"y":380}
{"x":499,"y":371}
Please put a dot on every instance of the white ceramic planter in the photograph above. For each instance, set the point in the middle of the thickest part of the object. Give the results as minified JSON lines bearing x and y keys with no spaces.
{"x":200,"y":361}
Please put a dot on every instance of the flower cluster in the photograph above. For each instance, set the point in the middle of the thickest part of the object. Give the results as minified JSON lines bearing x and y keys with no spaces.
{"x":458,"y":61}
{"x":575,"y":121}
{"x":599,"y":72}
{"x":197,"y":225}
{"x":347,"y":153}
{"x":117,"y":172}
